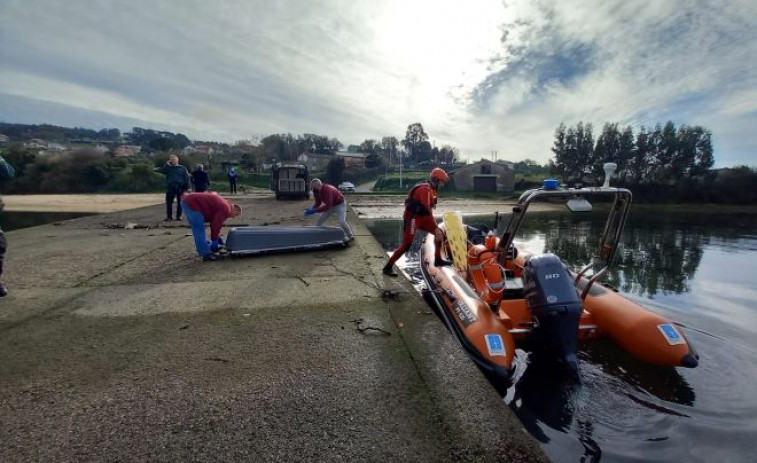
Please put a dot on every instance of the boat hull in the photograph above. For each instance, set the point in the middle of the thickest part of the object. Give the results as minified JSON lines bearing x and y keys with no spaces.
{"x":470,"y":319}
{"x":644,"y":334}
{"x":471,"y":315}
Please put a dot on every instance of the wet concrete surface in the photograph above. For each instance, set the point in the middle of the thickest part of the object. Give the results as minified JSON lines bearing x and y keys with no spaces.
{"x":117,"y":344}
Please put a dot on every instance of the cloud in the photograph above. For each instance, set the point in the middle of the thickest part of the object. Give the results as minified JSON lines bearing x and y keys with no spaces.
{"x":482,"y":76}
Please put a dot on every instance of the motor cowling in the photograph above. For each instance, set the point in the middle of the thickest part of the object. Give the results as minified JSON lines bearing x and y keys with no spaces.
{"x":555,"y":305}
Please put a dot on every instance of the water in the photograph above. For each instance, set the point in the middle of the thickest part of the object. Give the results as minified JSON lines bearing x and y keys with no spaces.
{"x":14,"y":220}
{"x":696,"y":269}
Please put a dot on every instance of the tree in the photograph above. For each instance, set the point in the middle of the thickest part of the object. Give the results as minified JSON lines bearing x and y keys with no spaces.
{"x":273,"y":147}
{"x":389,"y":148}
{"x":162,"y":144}
{"x":423,"y":152}
{"x":368,"y":146}
{"x":374,"y":161}
{"x":606,"y":149}
{"x":109,"y":135}
{"x":560,"y":149}
{"x":639,"y":165}
{"x":585,"y":148}
{"x":414,"y":135}
{"x":335,"y":145}
{"x":447,"y":155}
{"x":572,"y":167}
{"x":625,"y":152}
{"x":574,"y":151}
{"x":335,"y":170}
{"x":694,"y":157}
{"x":529,"y":167}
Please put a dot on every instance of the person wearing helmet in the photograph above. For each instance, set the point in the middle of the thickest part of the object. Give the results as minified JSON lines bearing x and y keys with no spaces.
{"x":418,"y":215}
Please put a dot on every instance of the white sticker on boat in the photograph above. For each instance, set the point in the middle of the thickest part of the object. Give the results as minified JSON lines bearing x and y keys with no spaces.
{"x":495,"y":345}
{"x":671,"y":334}
{"x":464,"y":313}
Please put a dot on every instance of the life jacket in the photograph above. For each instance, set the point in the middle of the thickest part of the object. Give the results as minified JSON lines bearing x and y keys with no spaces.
{"x":415,"y":206}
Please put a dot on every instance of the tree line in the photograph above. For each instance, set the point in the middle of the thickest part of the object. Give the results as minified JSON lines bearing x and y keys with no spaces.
{"x":416,"y":148}
{"x":663,"y":163}
{"x":660,"y":155}
{"x":86,"y":168}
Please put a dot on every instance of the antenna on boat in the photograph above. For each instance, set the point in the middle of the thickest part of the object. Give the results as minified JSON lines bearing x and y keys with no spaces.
{"x":609,"y":168}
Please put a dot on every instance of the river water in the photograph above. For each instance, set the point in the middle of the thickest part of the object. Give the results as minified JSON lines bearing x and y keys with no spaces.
{"x":699,"y":270}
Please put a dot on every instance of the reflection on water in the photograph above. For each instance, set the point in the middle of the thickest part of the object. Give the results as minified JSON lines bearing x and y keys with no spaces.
{"x":696,"y":269}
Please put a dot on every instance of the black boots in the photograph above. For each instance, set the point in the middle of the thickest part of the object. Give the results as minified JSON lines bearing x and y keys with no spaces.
{"x":389,"y":271}
{"x":439,"y":262}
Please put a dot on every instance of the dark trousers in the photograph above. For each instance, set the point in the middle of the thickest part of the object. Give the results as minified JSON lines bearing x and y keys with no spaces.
{"x":3,"y":247}
{"x":233,"y":186}
{"x":174,"y":192}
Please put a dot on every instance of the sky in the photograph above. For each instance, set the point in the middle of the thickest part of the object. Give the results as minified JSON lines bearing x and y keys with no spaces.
{"x":485,"y":76}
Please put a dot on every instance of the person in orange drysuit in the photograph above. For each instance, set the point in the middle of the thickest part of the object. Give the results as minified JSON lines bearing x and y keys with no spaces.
{"x":418,"y":215}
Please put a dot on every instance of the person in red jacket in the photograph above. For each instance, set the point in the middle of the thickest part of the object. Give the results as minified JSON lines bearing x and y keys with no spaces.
{"x":418,"y":215}
{"x":200,"y":208}
{"x":327,"y":201}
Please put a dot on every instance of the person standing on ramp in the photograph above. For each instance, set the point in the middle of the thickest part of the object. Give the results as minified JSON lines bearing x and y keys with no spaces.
{"x":177,"y":183}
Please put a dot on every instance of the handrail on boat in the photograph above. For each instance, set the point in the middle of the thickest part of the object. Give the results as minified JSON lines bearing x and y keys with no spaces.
{"x":609,"y":240}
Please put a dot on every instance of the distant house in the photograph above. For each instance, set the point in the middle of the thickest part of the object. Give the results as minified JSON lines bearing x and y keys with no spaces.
{"x":352,"y":159}
{"x":314,"y":162}
{"x":4,"y":138}
{"x":126,"y":151}
{"x":484,"y":176}
{"x":205,"y":150}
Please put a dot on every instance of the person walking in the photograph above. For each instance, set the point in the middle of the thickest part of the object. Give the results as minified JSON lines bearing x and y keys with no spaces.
{"x":6,"y":171}
{"x":212,"y":208}
{"x":177,"y":182}
{"x":327,"y":201}
{"x":200,"y":179}
{"x":232,"y":181}
{"x":418,"y":215}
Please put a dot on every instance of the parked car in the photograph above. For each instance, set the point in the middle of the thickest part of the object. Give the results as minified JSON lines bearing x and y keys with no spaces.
{"x":347,"y":187}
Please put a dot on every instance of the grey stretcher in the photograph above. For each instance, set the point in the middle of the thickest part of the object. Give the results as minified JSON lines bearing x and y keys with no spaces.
{"x":259,"y":240}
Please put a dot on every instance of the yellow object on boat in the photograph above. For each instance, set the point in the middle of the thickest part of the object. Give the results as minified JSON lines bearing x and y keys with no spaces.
{"x":457,"y":239}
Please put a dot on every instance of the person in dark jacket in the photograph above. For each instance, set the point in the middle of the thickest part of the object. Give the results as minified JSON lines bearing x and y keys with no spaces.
{"x":208,"y":207}
{"x":177,"y":182}
{"x":200,"y":179}
{"x":232,"y":181}
{"x":6,"y":171}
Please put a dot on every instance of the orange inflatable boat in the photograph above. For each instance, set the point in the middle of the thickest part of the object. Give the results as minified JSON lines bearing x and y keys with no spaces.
{"x":494,"y":298}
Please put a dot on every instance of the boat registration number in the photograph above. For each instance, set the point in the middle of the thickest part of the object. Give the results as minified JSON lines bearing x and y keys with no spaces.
{"x":464,"y":313}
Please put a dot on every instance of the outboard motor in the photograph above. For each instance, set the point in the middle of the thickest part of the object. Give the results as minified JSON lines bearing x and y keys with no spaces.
{"x":555,"y":305}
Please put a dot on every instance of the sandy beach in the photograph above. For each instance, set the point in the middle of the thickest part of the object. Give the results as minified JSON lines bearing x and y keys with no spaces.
{"x":93,"y":203}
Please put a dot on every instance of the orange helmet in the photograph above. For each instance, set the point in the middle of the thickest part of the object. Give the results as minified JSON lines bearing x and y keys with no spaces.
{"x":439,"y":175}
